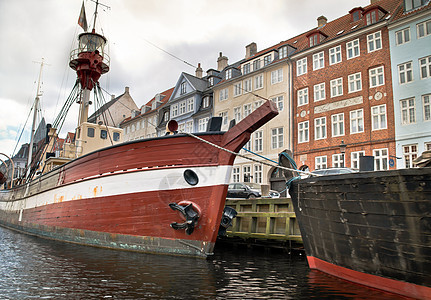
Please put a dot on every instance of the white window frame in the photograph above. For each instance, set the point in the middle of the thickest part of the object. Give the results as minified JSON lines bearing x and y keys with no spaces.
{"x":246,"y":68}
{"x":426,"y":102}
{"x":237,"y":114}
{"x":425,"y":67}
{"x":303,"y":132}
{"x":405,"y":72}
{"x":402,"y":36}
{"x":337,"y":121}
{"x":354,"y":158}
{"x":336,"y":87}
{"x":228,"y":74}
{"x":321,"y":162}
{"x":203,"y":124}
{"x":422,"y":29}
{"x":282,"y":52}
{"x":374,"y":41}
{"x":237,"y":89}
{"x":356,"y":121}
{"x":248,"y":85}
{"x":224,"y":115}
{"x":353,"y":49}
{"x":190,"y":104}
{"x":378,"y":117}
{"x":377,"y":76}
{"x":279,"y":102}
{"x":319,"y":92}
{"x":257,"y":174}
{"x":258,"y":141}
{"x":381,"y":159}
{"x":408,"y":111}
{"x":276,"y":76}
{"x":337,"y":160}
{"x":319,"y":60}
{"x":277,"y":138}
{"x":258,"y":82}
{"x":320,"y":128}
{"x":355,"y":82}
{"x":303,"y":96}
{"x":174,"y":110}
{"x":301,"y":66}
{"x":410,"y":153}
{"x":248,"y":109}
{"x":335,"y":55}
{"x":223,"y":94}
{"x":246,"y":173}
{"x":236,"y":174}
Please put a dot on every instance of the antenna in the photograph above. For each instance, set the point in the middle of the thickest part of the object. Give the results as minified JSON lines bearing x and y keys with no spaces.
{"x":95,"y":12}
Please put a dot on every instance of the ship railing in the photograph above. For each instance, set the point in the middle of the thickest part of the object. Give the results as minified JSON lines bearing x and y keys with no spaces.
{"x":75,"y":53}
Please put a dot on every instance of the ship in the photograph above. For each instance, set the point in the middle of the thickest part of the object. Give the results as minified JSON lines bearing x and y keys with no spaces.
{"x":163,"y":195}
{"x":370,"y":227}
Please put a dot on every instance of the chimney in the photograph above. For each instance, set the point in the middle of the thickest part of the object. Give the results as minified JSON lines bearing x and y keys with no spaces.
{"x":199,"y":71}
{"x":126,"y":90}
{"x":321,"y":21}
{"x":221,"y":62}
{"x":250,"y":50}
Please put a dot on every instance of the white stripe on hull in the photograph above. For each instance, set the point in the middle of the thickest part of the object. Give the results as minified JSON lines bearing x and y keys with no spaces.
{"x":146,"y":180}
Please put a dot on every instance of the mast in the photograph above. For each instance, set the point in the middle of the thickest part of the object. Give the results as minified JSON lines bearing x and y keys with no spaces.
{"x":33,"y":126}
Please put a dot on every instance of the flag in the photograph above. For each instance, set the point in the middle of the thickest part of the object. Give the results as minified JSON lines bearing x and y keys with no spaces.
{"x":82,"y":21}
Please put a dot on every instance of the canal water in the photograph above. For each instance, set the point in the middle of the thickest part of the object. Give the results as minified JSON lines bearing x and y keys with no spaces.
{"x":36,"y":268}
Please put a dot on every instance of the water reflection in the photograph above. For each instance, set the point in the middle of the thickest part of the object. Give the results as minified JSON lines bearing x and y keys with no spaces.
{"x":31,"y":267}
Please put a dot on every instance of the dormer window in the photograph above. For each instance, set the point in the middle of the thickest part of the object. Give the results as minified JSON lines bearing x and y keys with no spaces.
{"x":183,"y":88}
{"x":246,"y":69}
{"x":371,"y":17}
{"x":315,"y":38}
{"x":282,"y":53}
{"x":356,"y":13}
{"x":256,"y":65}
{"x":211,"y":81}
{"x":228,"y":74}
{"x":413,"y":4}
{"x":267,"y":60}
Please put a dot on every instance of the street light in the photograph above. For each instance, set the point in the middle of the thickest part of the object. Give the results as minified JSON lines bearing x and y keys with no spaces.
{"x":343,"y":150}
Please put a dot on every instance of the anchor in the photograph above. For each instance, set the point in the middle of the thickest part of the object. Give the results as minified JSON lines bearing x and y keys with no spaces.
{"x":190,"y":215}
{"x":226,"y":220}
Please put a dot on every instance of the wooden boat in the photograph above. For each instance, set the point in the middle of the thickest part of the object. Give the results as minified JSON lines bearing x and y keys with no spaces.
{"x":372,"y":228}
{"x":160,"y":195}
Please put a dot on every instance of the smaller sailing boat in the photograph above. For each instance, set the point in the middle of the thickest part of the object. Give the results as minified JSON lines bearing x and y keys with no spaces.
{"x":160,"y":195}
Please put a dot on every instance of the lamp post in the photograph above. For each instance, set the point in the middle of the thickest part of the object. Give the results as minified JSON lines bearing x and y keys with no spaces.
{"x":342,"y":150}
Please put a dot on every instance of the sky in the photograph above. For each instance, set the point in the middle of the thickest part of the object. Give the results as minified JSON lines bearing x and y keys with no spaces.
{"x":195,"y":31}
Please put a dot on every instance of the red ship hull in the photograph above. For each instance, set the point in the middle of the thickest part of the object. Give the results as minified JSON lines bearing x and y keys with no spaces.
{"x":119,"y":197}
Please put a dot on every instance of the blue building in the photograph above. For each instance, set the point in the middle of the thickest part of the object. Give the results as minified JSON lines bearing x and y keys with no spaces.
{"x":410,"y":48}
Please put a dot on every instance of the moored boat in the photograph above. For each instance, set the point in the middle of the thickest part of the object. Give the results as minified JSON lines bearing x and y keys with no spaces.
{"x":159,"y":195}
{"x":372,"y":228}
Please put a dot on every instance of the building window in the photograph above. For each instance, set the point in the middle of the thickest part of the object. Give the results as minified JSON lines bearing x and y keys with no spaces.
{"x":424,"y":29}
{"x":247,"y":109}
{"x":246,"y":172}
{"x":223,"y":114}
{"x":352,"y":49}
{"x":354,"y":159}
{"x":228,"y":74}
{"x":408,"y":111}
{"x":405,"y":73}
{"x":427,"y":107}
{"x":258,"y":173}
{"x":279,"y":102}
{"x":320,"y":128}
{"x":277,"y":138}
{"x":90,"y":131}
{"x":189,"y":126}
{"x":371,"y":17}
{"x":355,"y":82}
{"x":378,"y":117}
{"x":357,"y":121}
{"x":276,"y":76}
{"x":356,"y":15}
{"x":377,"y":77}
{"x":133,"y":127}
{"x":319,"y":92}
{"x":313,"y":40}
{"x":256,"y":64}
{"x":237,"y":89}
{"x":174,"y":108}
{"x":303,"y":132}
{"x":202,"y":124}
{"x":302,"y":96}
{"x":246,"y":69}
{"x":237,"y":114}
{"x":412,"y":4}
{"x":267,"y":60}
{"x":320,"y":162}
{"x":258,"y":82}
{"x":374,"y":41}
{"x":190,"y":105}
{"x":380,"y":159}
{"x":257,"y":104}
{"x":335,"y":55}
{"x":236,"y":174}
{"x":301,"y":66}
{"x":206,"y":102}
{"x":427,"y":146}
{"x":402,"y":36}
{"x":410,"y":153}
{"x":337,"y":160}
{"x":336,"y":87}
{"x":224,"y":94}
{"x":182,"y":107}
{"x":338,"y":124}
{"x":425,"y":67}
{"x":318,"y":61}
{"x":258,"y":141}
{"x":247,"y":85}
{"x":282,"y":52}
{"x":183,"y":88}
